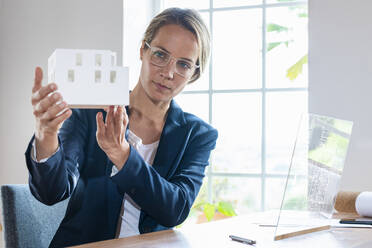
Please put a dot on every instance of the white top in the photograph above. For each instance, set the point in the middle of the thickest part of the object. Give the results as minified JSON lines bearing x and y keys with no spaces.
{"x":131,"y":214}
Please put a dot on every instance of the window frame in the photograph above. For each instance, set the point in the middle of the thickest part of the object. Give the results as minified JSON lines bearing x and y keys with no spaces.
{"x":263,"y":176}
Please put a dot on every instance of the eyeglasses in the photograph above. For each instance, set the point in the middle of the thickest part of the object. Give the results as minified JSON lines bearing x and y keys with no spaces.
{"x":161,"y":58}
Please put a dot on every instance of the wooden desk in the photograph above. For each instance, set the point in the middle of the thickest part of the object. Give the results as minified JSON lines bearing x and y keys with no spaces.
{"x":216,"y":234}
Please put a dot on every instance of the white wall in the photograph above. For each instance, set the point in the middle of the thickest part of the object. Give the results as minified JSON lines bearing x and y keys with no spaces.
{"x":29,"y":32}
{"x":340,"y":77}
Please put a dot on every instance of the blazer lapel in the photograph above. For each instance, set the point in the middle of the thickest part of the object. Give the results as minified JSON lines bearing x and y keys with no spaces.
{"x":171,"y":141}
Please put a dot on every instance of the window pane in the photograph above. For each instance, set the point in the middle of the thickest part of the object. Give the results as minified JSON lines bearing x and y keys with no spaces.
{"x":294,"y":195}
{"x":197,"y":104}
{"x":274,"y":190}
{"x":205,"y":17}
{"x":234,"y":3}
{"x":237,"y":49}
{"x":195,"y":4}
{"x":237,"y":118}
{"x":286,"y":47}
{"x":244,"y":199}
{"x":283,"y":113}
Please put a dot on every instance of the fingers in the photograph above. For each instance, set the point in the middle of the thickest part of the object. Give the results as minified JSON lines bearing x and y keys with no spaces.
{"x":54,"y":110}
{"x":125,"y":118}
{"x":48,"y":114}
{"x":42,"y":93}
{"x":38,"y":79}
{"x":61,"y":118}
{"x":46,"y":103}
{"x":110,"y":121}
{"x":115,"y":123}
{"x":124,"y":112}
{"x":101,"y":129}
{"x":119,"y":120}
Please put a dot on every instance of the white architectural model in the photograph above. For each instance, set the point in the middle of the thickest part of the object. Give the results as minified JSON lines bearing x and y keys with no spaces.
{"x":89,"y":78}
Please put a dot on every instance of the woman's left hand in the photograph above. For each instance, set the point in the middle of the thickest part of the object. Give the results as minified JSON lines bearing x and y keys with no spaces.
{"x":111,"y":135}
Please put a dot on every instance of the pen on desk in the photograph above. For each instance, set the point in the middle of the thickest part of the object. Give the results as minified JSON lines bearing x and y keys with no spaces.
{"x":242,"y":240}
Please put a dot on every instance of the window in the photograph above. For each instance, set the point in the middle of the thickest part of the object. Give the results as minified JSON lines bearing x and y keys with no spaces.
{"x":79,"y":59}
{"x":112,"y":76}
{"x":70,"y":75}
{"x":97,"y":76}
{"x":98,"y":60}
{"x":253,"y":92}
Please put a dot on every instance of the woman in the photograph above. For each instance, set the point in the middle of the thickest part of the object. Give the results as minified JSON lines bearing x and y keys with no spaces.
{"x":130,"y":173}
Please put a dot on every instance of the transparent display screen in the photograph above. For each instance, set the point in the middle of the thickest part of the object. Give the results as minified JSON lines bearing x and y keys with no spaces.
{"x":314,"y":174}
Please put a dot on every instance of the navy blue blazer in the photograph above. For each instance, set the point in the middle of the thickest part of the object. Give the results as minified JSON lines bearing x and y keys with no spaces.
{"x":80,"y":170}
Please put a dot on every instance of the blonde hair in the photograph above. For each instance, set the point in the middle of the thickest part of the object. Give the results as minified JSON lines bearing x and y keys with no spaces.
{"x":190,"y":20}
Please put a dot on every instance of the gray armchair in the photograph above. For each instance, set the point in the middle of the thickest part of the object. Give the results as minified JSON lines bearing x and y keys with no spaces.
{"x":28,"y":222}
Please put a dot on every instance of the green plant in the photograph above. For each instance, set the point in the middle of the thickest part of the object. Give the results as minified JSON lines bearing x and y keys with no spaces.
{"x":209,"y":210}
{"x":296,"y":69}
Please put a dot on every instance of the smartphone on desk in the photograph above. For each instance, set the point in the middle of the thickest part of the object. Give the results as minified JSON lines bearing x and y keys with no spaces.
{"x":360,"y":221}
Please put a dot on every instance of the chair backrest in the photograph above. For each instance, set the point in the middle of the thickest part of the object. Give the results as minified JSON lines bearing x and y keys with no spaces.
{"x":28,"y":222}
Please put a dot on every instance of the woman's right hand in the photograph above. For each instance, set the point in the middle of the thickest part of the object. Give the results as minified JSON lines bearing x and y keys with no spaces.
{"x":47,"y":104}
